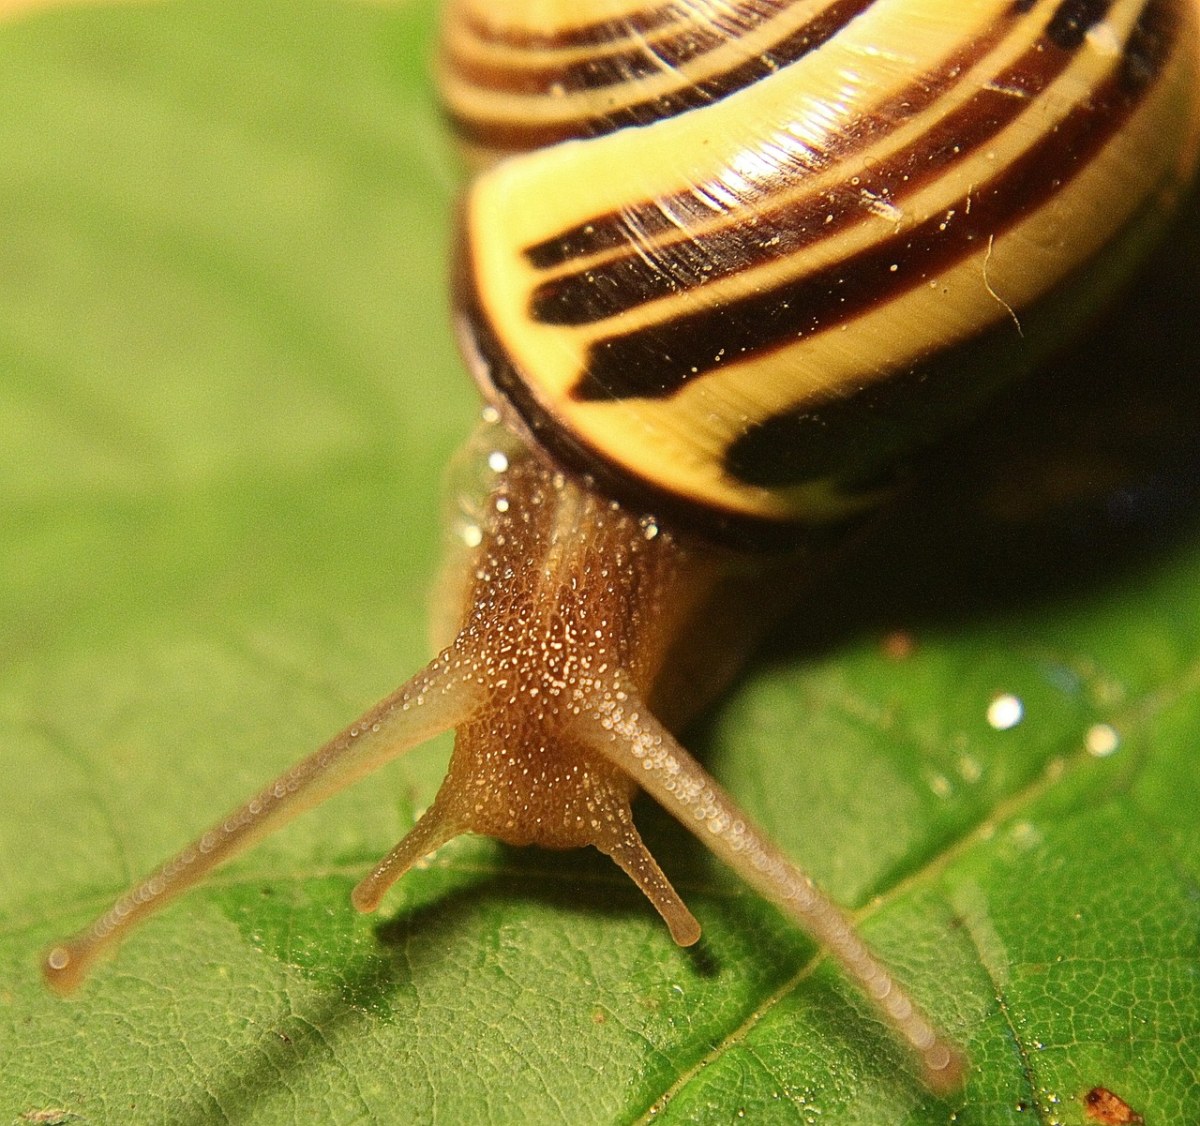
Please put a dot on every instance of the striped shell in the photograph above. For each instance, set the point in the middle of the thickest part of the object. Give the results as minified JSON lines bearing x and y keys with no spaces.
{"x":843,"y":223}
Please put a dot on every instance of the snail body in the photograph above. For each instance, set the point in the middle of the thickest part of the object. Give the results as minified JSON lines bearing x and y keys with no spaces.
{"x":760,"y":262}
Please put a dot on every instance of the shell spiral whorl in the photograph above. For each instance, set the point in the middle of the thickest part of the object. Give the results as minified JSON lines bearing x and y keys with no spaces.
{"x":838,"y":227}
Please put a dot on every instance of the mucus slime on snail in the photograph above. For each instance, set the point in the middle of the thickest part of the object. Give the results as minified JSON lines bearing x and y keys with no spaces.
{"x":731,"y":263}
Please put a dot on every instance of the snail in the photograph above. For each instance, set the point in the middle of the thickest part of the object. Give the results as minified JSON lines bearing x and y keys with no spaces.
{"x":727,"y":266}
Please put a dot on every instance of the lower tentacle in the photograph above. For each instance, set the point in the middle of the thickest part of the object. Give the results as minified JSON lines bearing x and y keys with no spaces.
{"x":432,"y":830}
{"x":640,"y":866}
{"x":433,"y":701}
{"x":622,"y":729}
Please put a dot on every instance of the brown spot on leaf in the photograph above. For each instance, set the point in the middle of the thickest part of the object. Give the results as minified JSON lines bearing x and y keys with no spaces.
{"x":1103,"y":1106}
{"x":898,"y":645}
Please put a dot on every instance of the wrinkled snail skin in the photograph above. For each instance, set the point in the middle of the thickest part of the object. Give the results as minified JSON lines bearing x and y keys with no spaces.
{"x":732,"y":260}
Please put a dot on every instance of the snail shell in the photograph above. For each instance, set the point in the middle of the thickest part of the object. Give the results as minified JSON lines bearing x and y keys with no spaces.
{"x":747,"y":314}
{"x":757,"y":253}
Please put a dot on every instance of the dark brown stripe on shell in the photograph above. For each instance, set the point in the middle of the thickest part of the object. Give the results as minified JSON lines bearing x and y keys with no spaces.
{"x":594,"y":73}
{"x":506,"y":135}
{"x":1072,"y":20}
{"x":648,"y":56}
{"x":613,"y":287}
{"x":596,"y":34}
{"x":1149,"y":45}
{"x":667,"y":218}
{"x":658,"y":361}
{"x":857,"y":438}
{"x":503,"y":385}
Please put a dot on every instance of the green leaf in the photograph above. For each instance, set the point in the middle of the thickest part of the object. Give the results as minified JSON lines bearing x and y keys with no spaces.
{"x":228,"y":391}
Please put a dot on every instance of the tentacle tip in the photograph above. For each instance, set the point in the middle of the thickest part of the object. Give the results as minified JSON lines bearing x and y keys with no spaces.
{"x":63,"y":970}
{"x":685,"y":931}
{"x":365,"y":897}
{"x":944,"y":1070}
